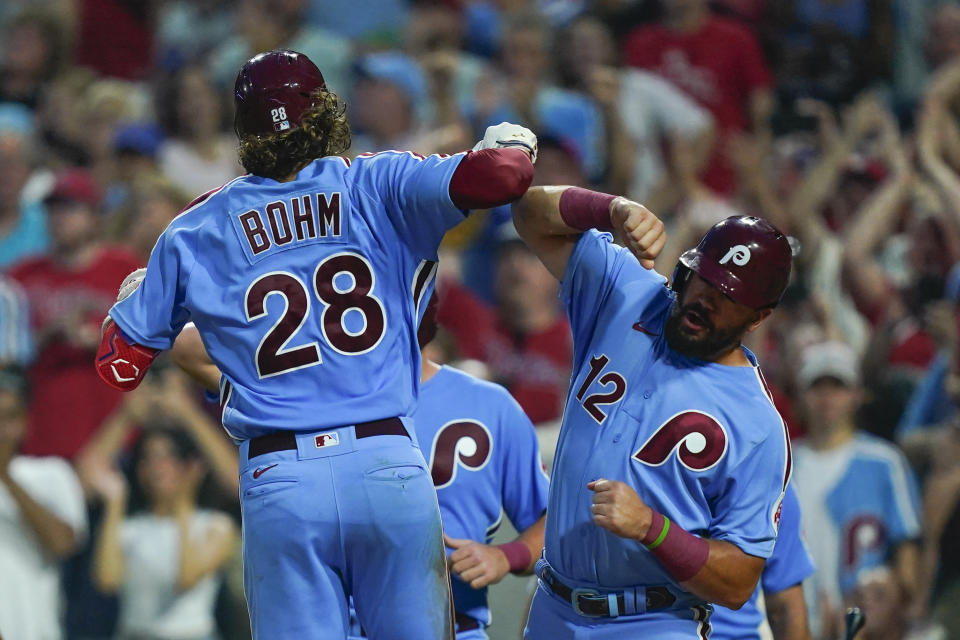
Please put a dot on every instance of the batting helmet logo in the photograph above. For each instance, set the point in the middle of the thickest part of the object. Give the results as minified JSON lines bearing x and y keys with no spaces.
{"x":759,"y":249}
{"x":740,"y":255}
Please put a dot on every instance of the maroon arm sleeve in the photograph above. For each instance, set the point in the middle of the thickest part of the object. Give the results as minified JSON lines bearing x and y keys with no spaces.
{"x":490,"y":178}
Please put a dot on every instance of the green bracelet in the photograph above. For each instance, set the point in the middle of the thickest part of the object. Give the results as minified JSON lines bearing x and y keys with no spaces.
{"x":663,"y":535}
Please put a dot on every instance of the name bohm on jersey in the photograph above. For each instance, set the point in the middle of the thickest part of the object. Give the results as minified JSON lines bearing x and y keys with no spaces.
{"x":290,"y":222}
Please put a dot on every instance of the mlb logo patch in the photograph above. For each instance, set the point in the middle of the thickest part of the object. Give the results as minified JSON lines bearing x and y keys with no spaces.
{"x":282,"y":126}
{"x":331,"y":439}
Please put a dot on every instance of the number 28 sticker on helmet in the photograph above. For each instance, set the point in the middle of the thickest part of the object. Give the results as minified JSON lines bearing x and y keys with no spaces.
{"x":745,"y":257}
{"x":272,"y":92}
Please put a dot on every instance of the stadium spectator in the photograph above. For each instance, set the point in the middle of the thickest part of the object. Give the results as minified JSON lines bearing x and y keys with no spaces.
{"x":151,"y":204}
{"x":33,"y":52}
{"x":856,"y":487}
{"x":390,"y":106}
{"x":880,"y":597}
{"x":16,"y":340}
{"x":521,"y":91}
{"x":114,"y":37}
{"x":70,"y":289}
{"x":164,"y":558}
{"x":42,"y":521}
{"x":198,"y":155}
{"x":262,"y":25}
{"x":23,"y":224}
{"x":523,"y":338}
{"x":715,"y":61}
{"x":832,"y":49}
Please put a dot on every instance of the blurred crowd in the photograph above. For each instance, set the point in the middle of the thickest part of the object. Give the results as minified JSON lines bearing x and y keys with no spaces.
{"x":837,"y":120}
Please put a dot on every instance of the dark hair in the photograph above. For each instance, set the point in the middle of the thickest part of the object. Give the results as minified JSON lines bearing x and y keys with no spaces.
{"x":184,"y":450}
{"x":323,"y":131}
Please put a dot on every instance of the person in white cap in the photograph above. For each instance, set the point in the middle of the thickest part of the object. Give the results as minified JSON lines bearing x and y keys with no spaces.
{"x":856,"y":491}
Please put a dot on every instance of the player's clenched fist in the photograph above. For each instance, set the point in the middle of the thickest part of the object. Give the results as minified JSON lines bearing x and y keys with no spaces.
{"x":618,"y":509}
{"x":476,"y":564}
{"x":642,"y":231}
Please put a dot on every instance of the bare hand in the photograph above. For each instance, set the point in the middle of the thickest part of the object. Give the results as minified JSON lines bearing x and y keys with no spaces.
{"x":642,"y":231}
{"x":108,"y":483}
{"x":618,"y":509}
{"x":476,"y":564}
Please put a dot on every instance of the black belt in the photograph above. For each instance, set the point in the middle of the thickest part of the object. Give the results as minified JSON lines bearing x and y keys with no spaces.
{"x":592,"y":603}
{"x":465,"y":622}
{"x":284,"y":440}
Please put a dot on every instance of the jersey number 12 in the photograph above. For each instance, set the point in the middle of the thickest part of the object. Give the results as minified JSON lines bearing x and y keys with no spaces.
{"x":273,"y":358}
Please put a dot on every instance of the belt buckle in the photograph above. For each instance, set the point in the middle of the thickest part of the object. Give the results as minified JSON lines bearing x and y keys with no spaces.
{"x":590,"y":593}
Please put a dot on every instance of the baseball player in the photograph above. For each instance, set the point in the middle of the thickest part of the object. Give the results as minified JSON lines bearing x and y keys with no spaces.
{"x":672,"y":460}
{"x":305,"y":279}
{"x":484,"y":459}
{"x":783,"y":607}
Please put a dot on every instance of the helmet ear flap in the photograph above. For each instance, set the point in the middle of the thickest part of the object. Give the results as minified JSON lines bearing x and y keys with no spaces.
{"x":681,"y":274}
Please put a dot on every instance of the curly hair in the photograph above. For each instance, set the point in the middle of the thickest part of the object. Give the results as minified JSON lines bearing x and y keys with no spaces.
{"x":322,"y":131}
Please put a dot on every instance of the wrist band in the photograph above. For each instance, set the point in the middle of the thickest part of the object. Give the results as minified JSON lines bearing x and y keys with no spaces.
{"x":518,"y":555}
{"x":583,"y":209}
{"x":681,"y":553}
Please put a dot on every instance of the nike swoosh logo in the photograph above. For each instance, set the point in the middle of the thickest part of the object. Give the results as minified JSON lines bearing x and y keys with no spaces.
{"x":263,"y":470}
{"x":642,"y":329}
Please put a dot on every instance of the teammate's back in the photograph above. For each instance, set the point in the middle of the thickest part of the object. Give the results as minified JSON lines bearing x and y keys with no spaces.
{"x":288,"y":283}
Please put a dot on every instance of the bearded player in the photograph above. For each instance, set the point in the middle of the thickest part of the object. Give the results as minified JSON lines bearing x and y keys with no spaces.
{"x":672,"y":460}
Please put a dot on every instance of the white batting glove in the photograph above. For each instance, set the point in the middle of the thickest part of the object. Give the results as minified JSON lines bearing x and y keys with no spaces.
{"x":130,"y":284}
{"x":127,"y":287}
{"x":505,"y":134}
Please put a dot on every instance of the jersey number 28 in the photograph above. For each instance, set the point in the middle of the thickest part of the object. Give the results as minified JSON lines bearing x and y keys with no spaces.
{"x":273,"y":358}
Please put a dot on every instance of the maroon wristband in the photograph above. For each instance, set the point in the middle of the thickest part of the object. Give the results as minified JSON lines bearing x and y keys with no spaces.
{"x":518,"y":555}
{"x":583,"y":209}
{"x":656,"y":526}
{"x":680,"y":552}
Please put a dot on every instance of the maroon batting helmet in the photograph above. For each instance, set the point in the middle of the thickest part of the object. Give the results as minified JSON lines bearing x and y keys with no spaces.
{"x":273,"y":91}
{"x":746,"y":258}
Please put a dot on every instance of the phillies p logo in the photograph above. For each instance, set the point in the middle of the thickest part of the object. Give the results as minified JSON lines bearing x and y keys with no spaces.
{"x":700,"y":442}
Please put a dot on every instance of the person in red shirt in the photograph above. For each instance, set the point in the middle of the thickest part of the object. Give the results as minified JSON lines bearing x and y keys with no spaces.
{"x":70,"y":290}
{"x":718,"y":63}
{"x":524,"y":339}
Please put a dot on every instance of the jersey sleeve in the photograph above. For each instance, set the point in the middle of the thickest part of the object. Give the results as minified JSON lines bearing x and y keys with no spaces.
{"x":903,"y":521}
{"x":154,"y":314}
{"x":524,"y":478}
{"x":790,"y":563}
{"x":745,"y":505}
{"x":415,"y":193}
{"x":596,"y":273}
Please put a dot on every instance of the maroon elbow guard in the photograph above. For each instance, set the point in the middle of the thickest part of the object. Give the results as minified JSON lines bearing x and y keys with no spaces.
{"x":490,"y":178}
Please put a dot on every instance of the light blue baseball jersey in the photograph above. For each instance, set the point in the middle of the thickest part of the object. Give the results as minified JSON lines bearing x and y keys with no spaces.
{"x":288,"y":283}
{"x":863,"y":498}
{"x":700,"y":442}
{"x":484,"y":459}
{"x":789,"y":566}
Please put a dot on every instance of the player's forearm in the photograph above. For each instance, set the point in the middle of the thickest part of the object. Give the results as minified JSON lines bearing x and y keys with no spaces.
{"x":728,"y":577}
{"x":787,"y":614}
{"x":532,"y":539}
{"x":540,"y":221}
{"x":56,"y":537}
{"x":191,"y":356}
{"x":490,"y":178}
